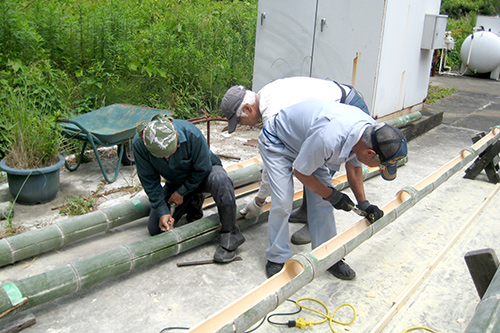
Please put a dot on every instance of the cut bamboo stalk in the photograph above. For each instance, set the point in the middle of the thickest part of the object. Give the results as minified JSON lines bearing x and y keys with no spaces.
{"x":405,"y":120}
{"x":238,"y":192}
{"x":255,"y":160}
{"x":69,"y":279}
{"x":303,"y":267}
{"x":417,"y":281}
{"x":56,"y":235}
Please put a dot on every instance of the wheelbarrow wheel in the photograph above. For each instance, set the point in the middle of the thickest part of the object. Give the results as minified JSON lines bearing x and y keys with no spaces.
{"x":128,"y":156}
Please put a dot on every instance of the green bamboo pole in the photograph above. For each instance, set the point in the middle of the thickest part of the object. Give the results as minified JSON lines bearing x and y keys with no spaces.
{"x":56,"y":235}
{"x":304,"y":267}
{"x":405,"y":120}
{"x":486,"y":317}
{"x":71,"y":278}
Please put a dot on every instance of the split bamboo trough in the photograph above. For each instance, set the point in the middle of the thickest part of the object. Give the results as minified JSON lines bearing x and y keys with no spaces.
{"x":302,"y":268}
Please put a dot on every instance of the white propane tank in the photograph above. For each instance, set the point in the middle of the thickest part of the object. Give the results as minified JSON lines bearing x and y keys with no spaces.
{"x":480,"y":52}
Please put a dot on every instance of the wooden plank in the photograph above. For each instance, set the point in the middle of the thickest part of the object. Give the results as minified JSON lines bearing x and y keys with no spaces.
{"x":17,"y":323}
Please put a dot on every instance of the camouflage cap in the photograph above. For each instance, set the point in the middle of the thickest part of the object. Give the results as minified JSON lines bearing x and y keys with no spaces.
{"x":159,"y":136}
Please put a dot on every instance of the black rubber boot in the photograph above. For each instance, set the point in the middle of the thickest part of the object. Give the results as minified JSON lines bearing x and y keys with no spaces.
{"x":194,"y":207}
{"x":230,"y":236}
{"x":299,"y":215}
{"x":301,"y":236}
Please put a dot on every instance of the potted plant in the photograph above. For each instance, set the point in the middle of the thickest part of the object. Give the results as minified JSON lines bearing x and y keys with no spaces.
{"x":31,"y":142}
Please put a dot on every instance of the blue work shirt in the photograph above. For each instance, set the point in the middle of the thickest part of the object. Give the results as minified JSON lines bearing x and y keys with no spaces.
{"x":320,"y":133}
{"x":183,"y":171}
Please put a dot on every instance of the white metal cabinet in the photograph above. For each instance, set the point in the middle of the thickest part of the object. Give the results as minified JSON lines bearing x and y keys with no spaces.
{"x":374,"y":45}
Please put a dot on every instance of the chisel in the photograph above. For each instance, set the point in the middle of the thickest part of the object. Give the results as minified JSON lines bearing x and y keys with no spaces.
{"x":360,"y":212}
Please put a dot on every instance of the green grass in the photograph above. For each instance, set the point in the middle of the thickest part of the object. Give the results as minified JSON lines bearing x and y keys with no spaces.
{"x":78,"y":205}
{"x":435,"y":93}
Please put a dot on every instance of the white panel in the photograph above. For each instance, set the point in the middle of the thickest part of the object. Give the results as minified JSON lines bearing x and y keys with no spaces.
{"x":347,"y":40}
{"x":434,"y":31}
{"x":404,"y":67}
{"x":490,"y":23}
{"x":284,"y":40}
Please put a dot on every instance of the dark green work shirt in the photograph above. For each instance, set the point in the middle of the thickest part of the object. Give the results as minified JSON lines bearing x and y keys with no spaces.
{"x":183,"y":171}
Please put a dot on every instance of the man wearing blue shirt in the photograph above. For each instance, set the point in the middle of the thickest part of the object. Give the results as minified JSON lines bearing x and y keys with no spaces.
{"x":242,"y":106}
{"x":308,"y":139}
{"x":177,"y":151}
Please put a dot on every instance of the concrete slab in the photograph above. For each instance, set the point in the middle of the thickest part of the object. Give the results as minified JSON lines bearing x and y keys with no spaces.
{"x":163,"y":295}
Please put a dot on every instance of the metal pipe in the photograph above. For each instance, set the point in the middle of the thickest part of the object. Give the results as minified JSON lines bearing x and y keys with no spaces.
{"x":56,"y":235}
{"x":73,"y":277}
{"x":305,"y":266}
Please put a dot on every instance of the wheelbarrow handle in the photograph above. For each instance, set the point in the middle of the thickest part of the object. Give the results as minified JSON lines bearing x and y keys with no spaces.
{"x":65,"y":120}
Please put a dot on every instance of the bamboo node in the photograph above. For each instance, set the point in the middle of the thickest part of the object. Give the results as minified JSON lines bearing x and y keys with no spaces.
{"x":12,"y":251}
{"x":404,"y":195}
{"x":61,"y":232}
{"x":466,"y":152}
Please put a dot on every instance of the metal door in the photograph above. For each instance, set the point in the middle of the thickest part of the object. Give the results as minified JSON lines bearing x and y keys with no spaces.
{"x":284,"y":40}
{"x":347,"y":43}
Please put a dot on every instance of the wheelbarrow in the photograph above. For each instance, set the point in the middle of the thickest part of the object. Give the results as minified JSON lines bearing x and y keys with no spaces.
{"x":113,"y":125}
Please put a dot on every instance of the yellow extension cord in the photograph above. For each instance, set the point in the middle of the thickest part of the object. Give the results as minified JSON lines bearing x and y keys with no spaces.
{"x":419,"y":328}
{"x":302,"y":323}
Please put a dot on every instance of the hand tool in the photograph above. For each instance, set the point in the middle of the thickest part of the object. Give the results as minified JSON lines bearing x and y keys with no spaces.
{"x":362,"y":213}
{"x":201,"y":262}
{"x":358,"y":211}
{"x":173,"y":206}
{"x":172,"y":210}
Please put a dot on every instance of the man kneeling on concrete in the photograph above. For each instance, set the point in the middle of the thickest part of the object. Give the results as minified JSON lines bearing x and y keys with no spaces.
{"x":306,"y":140}
{"x":177,"y":151}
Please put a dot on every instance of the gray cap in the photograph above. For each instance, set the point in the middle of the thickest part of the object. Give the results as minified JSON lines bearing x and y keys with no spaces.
{"x":230,"y":103}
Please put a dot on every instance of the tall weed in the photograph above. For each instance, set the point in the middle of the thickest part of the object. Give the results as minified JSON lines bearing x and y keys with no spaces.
{"x":179,"y":55}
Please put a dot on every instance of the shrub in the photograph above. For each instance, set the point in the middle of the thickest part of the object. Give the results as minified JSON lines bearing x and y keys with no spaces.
{"x":179,"y":55}
{"x":31,"y":98}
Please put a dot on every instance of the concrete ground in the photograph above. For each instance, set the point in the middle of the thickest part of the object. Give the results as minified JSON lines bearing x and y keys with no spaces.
{"x":163,"y":295}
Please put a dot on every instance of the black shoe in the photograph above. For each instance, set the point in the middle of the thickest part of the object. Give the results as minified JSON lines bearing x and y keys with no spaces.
{"x":298,"y":215}
{"x":342,"y":271}
{"x":273,"y":268}
{"x":224,"y":256}
{"x":301,"y":236}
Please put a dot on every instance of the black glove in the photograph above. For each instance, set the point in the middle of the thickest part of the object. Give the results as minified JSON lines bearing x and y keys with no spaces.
{"x":340,"y":200}
{"x":373,"y":213}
